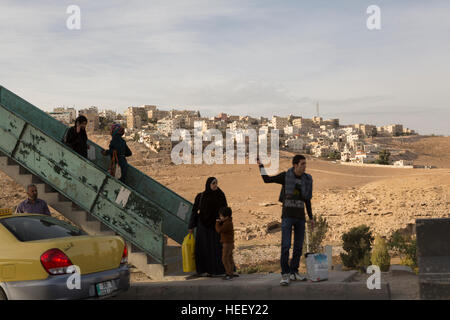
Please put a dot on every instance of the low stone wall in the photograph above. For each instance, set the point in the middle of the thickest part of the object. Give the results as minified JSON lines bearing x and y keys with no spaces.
{"x":375,"y":165}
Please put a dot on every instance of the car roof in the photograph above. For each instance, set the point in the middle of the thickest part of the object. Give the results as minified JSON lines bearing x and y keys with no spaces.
{"x":21,"y":215}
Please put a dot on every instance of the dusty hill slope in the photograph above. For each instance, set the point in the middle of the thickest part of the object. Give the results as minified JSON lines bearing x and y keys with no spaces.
{"x":423,"y":150}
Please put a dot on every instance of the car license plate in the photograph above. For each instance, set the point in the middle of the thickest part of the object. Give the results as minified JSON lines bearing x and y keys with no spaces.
{"x":107,"y":287}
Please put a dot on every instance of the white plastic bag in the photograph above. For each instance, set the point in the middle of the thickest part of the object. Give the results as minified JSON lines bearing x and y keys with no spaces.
{"x":316,"y":264}
{"x":118,"y":173}
{"x":91,"y":153}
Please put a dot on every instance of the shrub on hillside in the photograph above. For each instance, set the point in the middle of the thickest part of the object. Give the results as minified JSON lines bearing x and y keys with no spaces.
{"x":383,"y":157}
{"x":357,"y":243}
{"x":380,"y":254}
{"x":317,"y":236}
{"x":406,"y":247}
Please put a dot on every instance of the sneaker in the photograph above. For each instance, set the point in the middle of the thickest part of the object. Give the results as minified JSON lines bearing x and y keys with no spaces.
{"x":297,"y":277}
{"x":227,"y":277}
{"x":284,"y":280}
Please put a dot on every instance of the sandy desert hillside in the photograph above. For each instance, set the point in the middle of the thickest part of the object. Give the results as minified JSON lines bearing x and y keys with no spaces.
{"x":423,"y":150}
{"x":386,"y":199}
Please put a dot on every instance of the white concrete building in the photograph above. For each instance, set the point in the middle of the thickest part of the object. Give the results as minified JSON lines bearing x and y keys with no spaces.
{"x":295,"y":144}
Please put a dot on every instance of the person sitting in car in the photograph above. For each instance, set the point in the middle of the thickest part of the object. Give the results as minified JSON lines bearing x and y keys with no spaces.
{"x":33,"y":204}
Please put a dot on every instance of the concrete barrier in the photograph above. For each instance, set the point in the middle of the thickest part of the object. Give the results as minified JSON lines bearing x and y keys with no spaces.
{"x":433,"y":254}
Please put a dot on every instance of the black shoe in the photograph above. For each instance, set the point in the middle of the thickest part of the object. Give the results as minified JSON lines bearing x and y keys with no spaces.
{"x":227,"y":277}
{"x":235,"y":275}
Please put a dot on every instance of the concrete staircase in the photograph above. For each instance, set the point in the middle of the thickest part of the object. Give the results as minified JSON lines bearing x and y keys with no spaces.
{"x":87,"y":222}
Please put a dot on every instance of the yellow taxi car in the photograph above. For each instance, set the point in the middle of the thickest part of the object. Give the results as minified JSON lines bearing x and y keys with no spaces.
{"x":45,"y":258}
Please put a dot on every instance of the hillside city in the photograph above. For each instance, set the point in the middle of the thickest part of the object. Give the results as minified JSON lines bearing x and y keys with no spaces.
{"x":327,"y":138}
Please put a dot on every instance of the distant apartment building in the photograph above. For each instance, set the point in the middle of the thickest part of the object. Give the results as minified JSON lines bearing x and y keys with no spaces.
{"x":156,"y":115}
{"x":108,"y":114}
{"x":233,"y":118}
{"x":134,"y":121}
{"x":302,"y":123}
{"x":295,"y":144}
{"x":222,"y":117}
{"x":184,"y":113}
{"x":64,"y":117}
{"x":139,"y":111}
{"x":93,"y":121}
{"x":394,"y":129}
{"x":408,"y":131}
{"x":158,"y":143}
{"x":371,"y":148}
{"x":338,"y":145}
{"x":317,"y":121}
{"x":92,"y":116}
{"x":365,"y":157}
{"x":381,"y":132}
{"x":403,"y":163}
{"x":205,"y":125}
{"x":366,"y":129}
{"x":167,"y":126}
{"x":321,"y":151}
{"x":190,"y":121}
{"x":352,"y":137}
{"x":291,"y":130}
{"x":349,"y":130}
{"x":279,"y":123}
{"x":235,"y":125}
{"x":248,"y":119}
{"x":71,"y":111}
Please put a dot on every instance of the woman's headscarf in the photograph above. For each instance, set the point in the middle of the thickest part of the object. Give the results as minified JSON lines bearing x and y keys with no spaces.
{"x":117,"y":129}
{"x":210,"y":203}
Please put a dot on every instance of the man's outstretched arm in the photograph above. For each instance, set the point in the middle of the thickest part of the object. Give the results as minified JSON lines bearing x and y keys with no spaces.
{"x":279,"y":178}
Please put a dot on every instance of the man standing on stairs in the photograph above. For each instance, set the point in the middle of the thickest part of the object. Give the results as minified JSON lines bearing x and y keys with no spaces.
{"x":33,"y":204}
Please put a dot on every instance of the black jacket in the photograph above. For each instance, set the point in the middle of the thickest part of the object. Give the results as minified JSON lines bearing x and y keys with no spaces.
{"x":77,"y":141}
{"x":289,"y":212}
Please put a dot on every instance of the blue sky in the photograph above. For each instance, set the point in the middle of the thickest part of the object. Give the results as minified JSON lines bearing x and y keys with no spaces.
{"x":240,"y":57}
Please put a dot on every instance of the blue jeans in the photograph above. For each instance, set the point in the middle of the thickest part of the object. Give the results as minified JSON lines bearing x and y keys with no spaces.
{"x":287,"y":224}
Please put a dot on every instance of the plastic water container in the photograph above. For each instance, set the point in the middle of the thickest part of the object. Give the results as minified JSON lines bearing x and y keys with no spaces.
{"x":317,"y":266}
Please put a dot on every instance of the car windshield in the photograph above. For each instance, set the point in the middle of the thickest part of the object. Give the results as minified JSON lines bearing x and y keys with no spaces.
{"x":31,"y":228}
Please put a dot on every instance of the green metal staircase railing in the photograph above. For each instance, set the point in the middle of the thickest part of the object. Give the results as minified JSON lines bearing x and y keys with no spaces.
{"x":141,"y":210}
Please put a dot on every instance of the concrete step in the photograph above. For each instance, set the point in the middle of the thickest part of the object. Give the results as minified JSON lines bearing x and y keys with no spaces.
{"x":173,"y":261}
{"x":147,"y":265}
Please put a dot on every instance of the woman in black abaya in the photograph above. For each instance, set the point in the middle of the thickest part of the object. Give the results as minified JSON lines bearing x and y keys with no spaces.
{"x":208,"y":249}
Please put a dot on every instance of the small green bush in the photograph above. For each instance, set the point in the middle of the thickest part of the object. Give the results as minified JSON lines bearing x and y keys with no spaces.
{"x":405,"y":247}
{"x":383,"y":157}
{"x":317,"y":236}
{"x":380,"y":254}
{"x":357,"y":243}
